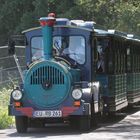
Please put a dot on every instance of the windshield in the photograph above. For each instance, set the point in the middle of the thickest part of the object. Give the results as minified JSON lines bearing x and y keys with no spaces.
{"x":72,"y":47}
{"x":37,"y":48}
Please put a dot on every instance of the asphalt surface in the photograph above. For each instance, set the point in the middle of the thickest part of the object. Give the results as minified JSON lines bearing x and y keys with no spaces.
{"x":125,"y":126}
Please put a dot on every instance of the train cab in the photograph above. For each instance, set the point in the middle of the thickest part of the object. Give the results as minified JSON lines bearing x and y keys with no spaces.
{"x":59,"y":83}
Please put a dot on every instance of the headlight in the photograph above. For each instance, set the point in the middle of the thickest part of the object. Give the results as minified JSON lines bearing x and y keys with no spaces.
{"x":17,"y":95}
{"x":77,"y":94}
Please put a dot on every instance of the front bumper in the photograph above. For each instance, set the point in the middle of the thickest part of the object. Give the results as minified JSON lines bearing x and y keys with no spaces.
{"x":66,"y":111}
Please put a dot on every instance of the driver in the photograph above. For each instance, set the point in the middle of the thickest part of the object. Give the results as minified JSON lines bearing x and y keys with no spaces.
{"x":71,"y":48}
{"x":61,"y":44}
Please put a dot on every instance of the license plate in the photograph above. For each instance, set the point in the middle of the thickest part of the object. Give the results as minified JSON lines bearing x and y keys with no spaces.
{"x":48,"y":113}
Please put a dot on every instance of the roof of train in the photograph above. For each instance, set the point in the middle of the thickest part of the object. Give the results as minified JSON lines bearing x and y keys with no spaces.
{"x":90,"y":26}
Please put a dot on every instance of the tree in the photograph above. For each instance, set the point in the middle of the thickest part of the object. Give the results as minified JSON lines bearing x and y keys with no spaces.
{"x":11,"y":13}
{"x":18,"y":15}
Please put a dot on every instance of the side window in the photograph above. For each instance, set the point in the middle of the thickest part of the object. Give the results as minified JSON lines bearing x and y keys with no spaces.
{"x":116,"y":56}
{"x":118,"y":52}
{"x":128,"y":59}
{"x":102,"y":46}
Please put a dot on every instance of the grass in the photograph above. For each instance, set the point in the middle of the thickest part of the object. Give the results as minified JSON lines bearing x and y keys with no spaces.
{"x":5,"y":120}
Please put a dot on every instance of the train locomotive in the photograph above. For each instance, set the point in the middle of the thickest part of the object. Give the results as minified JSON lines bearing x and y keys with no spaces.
{"x":76,"y":71}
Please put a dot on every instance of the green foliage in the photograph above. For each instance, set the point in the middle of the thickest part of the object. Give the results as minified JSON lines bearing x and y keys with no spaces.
{"x":129,"y":16}
{"x":4,"y":96}
{"x":5,"y":120}
{"x":18,"y":15}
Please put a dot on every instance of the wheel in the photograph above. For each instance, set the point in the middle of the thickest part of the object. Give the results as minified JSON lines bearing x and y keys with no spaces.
{"x":74,"y":122}
{"x":80,"y":122}
{"x":21,"y":124}
{"x":84,"y":123}
{"x":94,"y":120}
{"x":101,"y":107}
{"x":94,"y":116}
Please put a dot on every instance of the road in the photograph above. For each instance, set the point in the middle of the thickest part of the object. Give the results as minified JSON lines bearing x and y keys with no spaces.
{"x":126,"y":126}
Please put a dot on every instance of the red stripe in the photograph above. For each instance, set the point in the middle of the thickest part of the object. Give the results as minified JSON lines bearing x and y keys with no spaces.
{"x":68,"y":110}
{"x":28,"y":111}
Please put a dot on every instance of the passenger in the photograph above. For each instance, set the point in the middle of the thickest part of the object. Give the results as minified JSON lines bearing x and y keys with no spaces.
{"x":100,"y":63}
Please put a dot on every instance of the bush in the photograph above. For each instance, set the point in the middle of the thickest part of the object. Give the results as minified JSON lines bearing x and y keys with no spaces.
{"x":5,"y":120}
{"x":4,"y":97}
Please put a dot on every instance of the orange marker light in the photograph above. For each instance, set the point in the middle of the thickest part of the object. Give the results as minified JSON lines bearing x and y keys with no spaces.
{"x":77,"y":103}
{"x":17,"y":104}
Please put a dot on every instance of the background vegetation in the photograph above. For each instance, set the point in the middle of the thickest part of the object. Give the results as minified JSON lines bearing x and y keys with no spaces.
{"x":18,"y":15}
{"x":5,"y":120}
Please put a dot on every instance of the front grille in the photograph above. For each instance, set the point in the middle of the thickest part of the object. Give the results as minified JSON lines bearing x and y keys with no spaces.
{"x":47,"y":73}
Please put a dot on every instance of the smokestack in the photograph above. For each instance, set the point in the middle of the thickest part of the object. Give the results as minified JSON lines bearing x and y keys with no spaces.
{"x":47,"y":24}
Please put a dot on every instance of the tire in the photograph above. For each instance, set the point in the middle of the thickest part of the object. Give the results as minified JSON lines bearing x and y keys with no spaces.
{"x":81,"y":123}
{"x":94,"y":121}
{"x":84,"y":123}
{"x":94,"y":117}
{"x":112,"y":116}
{"x":74,"y":122}
{"x":21,"y":124}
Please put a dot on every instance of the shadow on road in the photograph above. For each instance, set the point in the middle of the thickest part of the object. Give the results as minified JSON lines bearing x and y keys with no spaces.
{"x":115,"y":124}
{"x":54,"y":130}
{"x":128,"y":128}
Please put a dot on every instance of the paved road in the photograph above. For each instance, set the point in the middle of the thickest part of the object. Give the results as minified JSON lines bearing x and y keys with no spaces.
{"x":122,"y":128}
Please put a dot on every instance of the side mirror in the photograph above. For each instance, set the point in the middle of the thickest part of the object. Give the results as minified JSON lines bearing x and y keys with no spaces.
{"x":11,"y":47}
{"x":16,"y":40}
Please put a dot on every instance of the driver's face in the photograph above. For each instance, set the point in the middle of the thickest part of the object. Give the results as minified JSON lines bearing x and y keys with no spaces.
{"x":100,"y":50}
